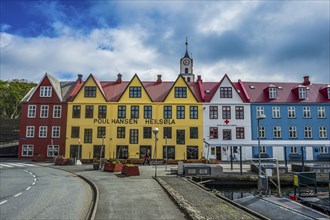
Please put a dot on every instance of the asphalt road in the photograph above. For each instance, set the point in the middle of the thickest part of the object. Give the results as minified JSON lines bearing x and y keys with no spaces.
{"x":35,"y":192}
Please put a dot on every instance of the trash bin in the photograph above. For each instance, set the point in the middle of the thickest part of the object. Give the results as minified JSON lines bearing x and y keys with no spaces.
{"x":96,"y":166}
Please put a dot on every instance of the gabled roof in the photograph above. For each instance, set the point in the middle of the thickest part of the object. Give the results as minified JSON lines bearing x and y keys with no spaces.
{"x":29,"y":94}
{"x":135,"y":76}
{"x":53,"y":82}
{"x":79,"y":87}
{"x":255,"y":90}
{"x":181,"y":77}
{"x":212,"y":88}
{"x":56,"y":85}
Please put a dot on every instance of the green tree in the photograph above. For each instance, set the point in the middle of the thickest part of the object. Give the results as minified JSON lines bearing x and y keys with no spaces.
{"x":11,"y":95}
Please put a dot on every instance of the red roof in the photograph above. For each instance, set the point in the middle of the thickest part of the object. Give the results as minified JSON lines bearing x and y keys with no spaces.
{"x":114,"y":90}
{"x":256,"y":92}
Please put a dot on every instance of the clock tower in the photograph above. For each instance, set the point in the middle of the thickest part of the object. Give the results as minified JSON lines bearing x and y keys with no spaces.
{"x":186,"y":66}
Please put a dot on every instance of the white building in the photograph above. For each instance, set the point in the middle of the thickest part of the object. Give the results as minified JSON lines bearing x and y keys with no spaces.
{"x":227,"y":120}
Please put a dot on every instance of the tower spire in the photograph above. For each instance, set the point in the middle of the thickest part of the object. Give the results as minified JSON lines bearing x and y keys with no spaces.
{"x":186,"y":43}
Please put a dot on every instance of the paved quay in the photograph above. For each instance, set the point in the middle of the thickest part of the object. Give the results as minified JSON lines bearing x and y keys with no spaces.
{"x":142,"y":197}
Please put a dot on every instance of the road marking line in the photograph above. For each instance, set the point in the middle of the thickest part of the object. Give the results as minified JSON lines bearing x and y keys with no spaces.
{"x":3,"y":202}
{"x":17,"y":194}
{"x":5,"y":165}
{"x":27,"y":164}
{"x":33,"y":183}
{"x":15,"y":164}
{"x":28,"y":188}
{"x":35,"y":179}
{"x":34,"y":176}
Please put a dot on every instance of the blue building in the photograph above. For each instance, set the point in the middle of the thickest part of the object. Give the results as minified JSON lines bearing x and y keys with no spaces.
{"x":297,"y":119}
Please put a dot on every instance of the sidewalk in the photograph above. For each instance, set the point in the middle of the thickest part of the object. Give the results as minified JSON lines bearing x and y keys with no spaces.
{"x":141,"y":197}
{"x":135,"y":197}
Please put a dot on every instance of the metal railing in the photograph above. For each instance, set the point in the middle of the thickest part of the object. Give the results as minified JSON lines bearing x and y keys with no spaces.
{"x":278,"y":185}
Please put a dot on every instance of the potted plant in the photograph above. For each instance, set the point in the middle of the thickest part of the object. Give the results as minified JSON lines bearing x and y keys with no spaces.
{"x":130,"y":170}
{"x":60,"y":160}
{"x":39,"y":158}
{"x":114,"y":166}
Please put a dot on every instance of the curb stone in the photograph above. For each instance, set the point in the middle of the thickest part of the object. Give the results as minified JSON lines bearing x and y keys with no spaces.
{"x":181,"y":201}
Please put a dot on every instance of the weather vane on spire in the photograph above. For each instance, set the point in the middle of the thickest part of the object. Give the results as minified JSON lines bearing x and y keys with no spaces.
{"x":186,"y":43}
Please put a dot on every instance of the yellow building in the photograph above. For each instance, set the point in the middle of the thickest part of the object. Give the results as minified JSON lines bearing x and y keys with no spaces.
{"x":117,"y":118}
{"x":125,"y":126}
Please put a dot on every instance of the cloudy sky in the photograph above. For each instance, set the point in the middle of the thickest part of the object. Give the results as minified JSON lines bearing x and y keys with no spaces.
{"x":248,"y":40}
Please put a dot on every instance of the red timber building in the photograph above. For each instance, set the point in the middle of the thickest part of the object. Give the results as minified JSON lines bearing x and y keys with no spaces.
{"x":43,"y":118}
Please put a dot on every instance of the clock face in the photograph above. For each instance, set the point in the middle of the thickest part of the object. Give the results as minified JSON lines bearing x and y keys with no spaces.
{"x":186,"y":62}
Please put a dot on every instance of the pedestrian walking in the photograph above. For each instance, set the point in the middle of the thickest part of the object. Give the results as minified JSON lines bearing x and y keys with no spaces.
{"x":147,"y":158}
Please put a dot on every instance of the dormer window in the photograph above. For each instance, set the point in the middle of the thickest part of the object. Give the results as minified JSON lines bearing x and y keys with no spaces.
{"x":45,"y":91}
{"x":272,"y":93}
{"x":302,"y":93}
{"x":328,"y":92}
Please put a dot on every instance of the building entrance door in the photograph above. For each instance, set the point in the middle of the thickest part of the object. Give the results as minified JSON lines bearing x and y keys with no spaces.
{"x":144,"y":150}
{"x":74,"y":151}
{"x":218,"y":153}
{"x":97,"y":151}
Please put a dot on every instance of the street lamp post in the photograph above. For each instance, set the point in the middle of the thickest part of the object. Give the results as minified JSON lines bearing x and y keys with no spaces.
{"x":78,"y":156}
{"x":155,"y":131}
{"x":166,"y":152}
{"x":101,"y":152}
{"x":259,"y":117}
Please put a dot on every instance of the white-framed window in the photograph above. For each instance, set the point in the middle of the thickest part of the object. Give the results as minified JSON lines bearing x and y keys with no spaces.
{"x":272,"y":93}
{"x":276,"y":112}
{"x":262,"y":132}
{"x":45,"y":91}
{"x":43,"y":131}
{"x":321,"y":112}
{"x":293,"y":150}
{"x":291,"y":112}
{"x":27,"y":150}
{"x":262,"y":149}
{"x":302,"y":93}
{"x":30,"y":131}
{"x":57,"y":111}
{"x":292,"y":132}
{"x":32,"y":111}
{"x":277,"y":132}
{"x":307,"y":112}
{"x":323,"y":132}
{"x":56,"y":131}
{"x":52,"y":150}
{"x":260,"y":110}
{"x":324,"y":150}
{"x":44,"y":111}
{"x":308,"y":132}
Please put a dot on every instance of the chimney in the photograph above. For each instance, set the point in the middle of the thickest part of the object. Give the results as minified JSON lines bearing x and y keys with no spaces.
{"x":306,"y":81}
{"x":159,"y":79}
{"x":80,"y":76}
{"x":199,"y":78}
{"x":119,"y":78}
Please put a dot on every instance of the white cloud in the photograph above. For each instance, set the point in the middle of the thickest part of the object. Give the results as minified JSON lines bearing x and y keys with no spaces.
{"x":102,"y":52}
{"x":263,"y":41}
